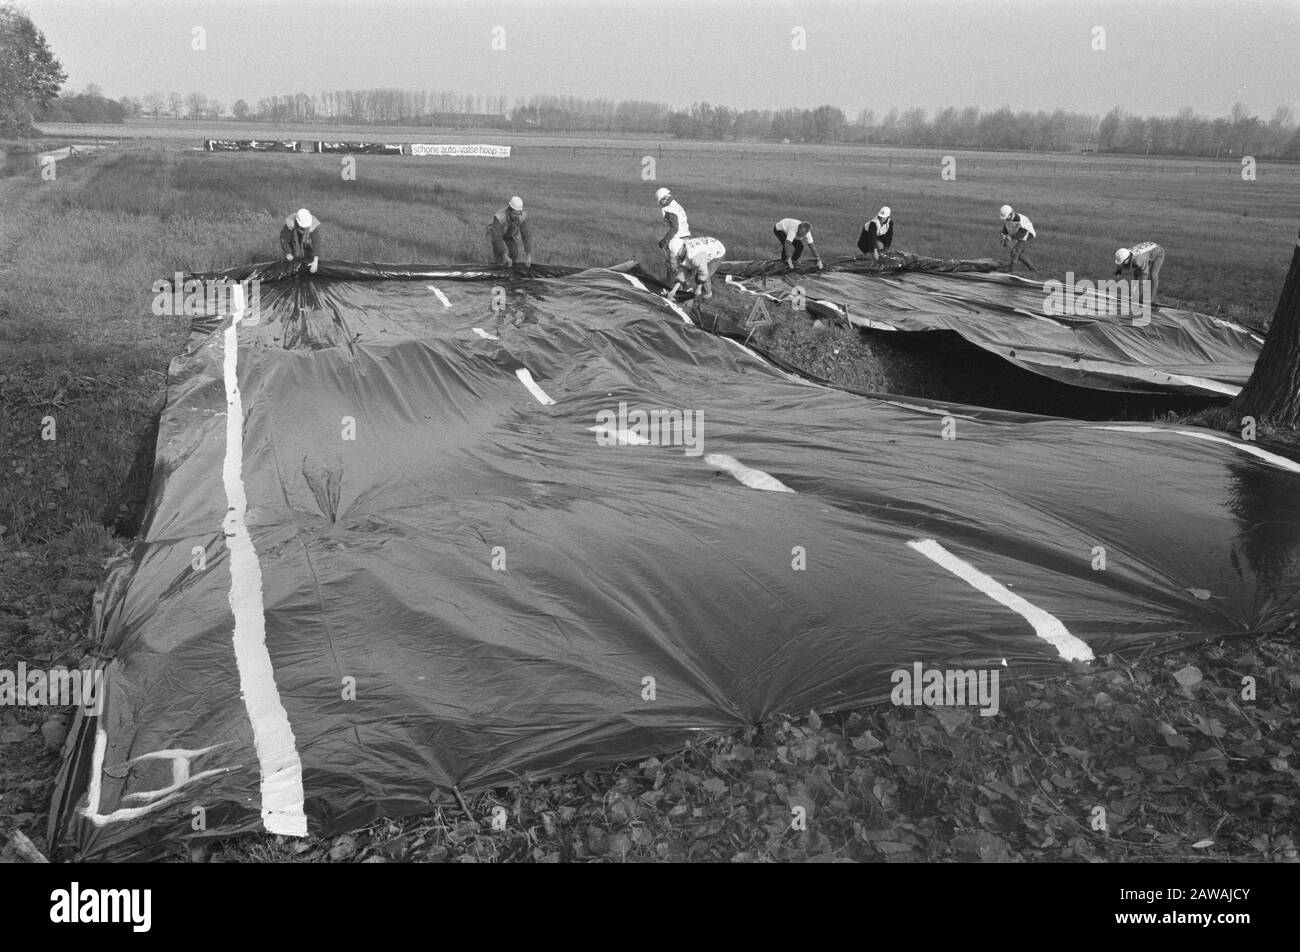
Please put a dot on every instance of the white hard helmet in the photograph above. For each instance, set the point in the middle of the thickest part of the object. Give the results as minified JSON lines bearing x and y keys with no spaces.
{"x":1122,"y":255}
{"x":883,"y":213}
{"x":675,"y":245}
{"x":517,"y":203}
{"x":661,"y":194}
{"x":303,"y":218}
{"x":1006,"y":211}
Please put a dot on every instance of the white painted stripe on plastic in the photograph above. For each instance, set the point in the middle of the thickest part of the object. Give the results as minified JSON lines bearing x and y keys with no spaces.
{"x":1046,"y":625}
{"x":277,"y":753}
{"x":1265,"y":455}
{"x":485,"y":335}
{"x":441,"y":297}
{"x":526,"y":379}
{"x":623,"y":437}
{"x":753,"y":478}
{"x":634,"y":281}
{"x":640,"y":285}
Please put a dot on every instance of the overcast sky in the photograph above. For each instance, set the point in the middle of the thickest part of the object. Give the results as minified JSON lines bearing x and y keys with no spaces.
{"x":1027,"y":54}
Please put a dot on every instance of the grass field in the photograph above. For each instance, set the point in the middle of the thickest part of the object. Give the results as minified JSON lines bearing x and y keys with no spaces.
{"x":78,"y":344}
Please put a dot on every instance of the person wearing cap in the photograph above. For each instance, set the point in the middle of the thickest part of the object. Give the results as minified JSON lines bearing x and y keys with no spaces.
{"x":300,"y":238}
{"x":794,"y":235}
{"x":509,"y":233}
{"x":877,"y":234}
{"x":698,"y":258}
{"x":679,"y":228}
{"x":1018,"y":231}
{"x":1144,"y":262}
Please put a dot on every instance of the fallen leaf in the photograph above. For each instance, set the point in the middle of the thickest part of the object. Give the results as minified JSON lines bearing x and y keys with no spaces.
{"x":867,"y":742}
{"x":715,"y":786}
{"x":951,"y":718}
{"x":1172,"y":737}
{"x":344,"y":846}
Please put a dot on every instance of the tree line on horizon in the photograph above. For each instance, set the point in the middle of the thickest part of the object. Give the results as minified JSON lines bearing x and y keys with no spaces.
{"x":1186,"y":133}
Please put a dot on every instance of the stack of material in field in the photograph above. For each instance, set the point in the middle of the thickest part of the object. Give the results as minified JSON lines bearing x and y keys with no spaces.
{"x":360,"y":148}
{"x":416,"y":528}
{"x":1082,"y":333}
{"x":252,"y":145}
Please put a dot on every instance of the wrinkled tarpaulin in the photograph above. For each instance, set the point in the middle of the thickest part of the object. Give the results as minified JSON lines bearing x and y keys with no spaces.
{"x":1177,"y":352}
{"x":348,"y":644}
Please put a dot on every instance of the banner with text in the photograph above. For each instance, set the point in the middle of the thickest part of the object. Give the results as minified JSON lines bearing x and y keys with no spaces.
{"x":490,"y":151}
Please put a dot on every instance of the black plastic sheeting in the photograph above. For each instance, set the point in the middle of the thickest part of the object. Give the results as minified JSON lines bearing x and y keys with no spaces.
{"x":382,"y":654}
{"x":1177,"y":352}
{"x":251,"y":145}
{"x":360,"y":148}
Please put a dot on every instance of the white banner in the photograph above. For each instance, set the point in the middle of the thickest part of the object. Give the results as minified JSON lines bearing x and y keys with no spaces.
{"x":491,"y":151}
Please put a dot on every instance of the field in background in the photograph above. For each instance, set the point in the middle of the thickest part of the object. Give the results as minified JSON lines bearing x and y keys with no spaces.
{"x":78,"y":257}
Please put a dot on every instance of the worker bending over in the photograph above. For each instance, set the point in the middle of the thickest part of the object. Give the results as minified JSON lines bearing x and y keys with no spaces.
{"x":674,"y":217}
{"x":300,"y":239}
{"x":510,"y":234}
{"x":1144,"y":262}
{"x":698,"y":258}
{"x":877,"y":234}
{"x":793,"y":235}
{"x":1018,"y":231}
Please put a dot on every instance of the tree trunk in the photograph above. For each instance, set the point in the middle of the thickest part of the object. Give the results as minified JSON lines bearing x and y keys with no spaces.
{"x":1273,"y":391}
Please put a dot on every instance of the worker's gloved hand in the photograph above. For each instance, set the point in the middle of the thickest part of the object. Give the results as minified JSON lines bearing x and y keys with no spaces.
{"x":819,"y":264}
{"x":288,"y":257}
{"x":789,"y":266}
{"x":528,"y":261}
{"x":312,"y":267}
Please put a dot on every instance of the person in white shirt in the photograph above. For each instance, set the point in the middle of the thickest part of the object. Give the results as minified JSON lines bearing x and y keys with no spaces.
{"x":794,"y":235}
{"x":1018,"y":231}
{"x":877,"y":234}
{"x":1144,"y":262}
{"x":698,"y":258}
{"x":678,"y":227}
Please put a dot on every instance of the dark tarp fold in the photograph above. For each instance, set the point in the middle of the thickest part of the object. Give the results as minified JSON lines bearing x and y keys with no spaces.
{"x":1165,"y":350}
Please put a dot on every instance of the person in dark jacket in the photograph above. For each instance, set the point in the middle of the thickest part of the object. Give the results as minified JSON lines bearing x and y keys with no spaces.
{"x":300,"y":239}
{"x":877,"y":234}
{"x":510,"y":234}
